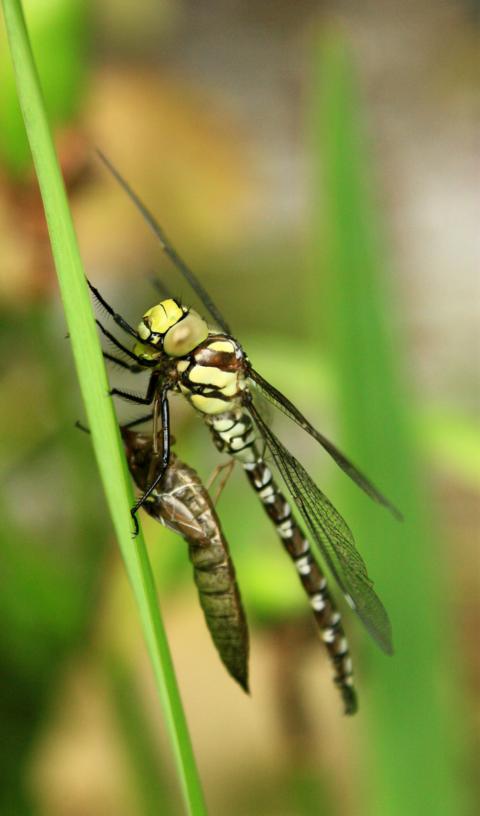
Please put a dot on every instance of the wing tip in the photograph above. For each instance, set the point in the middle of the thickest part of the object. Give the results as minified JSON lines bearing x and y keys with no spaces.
{"x":396,"y":513}
{"x":385,"y":641}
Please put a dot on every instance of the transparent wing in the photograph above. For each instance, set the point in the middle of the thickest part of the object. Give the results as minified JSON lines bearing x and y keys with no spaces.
{"x":334,"y":538}
{"x":159,"y":285}
{"x":166,"y":245}
{"x":280,"y":401}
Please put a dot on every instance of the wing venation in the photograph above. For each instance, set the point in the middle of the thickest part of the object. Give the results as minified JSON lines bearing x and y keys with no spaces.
{"x":166,"y":245}
{"x":288,"y":408}
{"x":333,"y":537}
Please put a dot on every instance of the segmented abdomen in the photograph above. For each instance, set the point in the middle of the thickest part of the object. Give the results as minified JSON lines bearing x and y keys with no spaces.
{"x":234,"y":434}
{"x":182,"y":503}
{"x":213,"y":570}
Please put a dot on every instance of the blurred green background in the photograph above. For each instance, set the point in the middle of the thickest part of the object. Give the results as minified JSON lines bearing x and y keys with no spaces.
{"x":314,"y":163}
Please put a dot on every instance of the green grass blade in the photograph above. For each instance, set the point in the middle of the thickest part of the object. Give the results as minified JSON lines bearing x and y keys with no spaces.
{"x":407,"y":705}
{"x":94,"y":387}
{"x":151,"y":785}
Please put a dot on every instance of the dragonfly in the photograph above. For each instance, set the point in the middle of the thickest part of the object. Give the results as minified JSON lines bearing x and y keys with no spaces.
{"x":182,"y":503}
{"x":209,"y":367}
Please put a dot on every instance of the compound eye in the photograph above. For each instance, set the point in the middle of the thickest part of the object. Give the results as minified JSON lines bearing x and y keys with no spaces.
{"x":185,"y":336}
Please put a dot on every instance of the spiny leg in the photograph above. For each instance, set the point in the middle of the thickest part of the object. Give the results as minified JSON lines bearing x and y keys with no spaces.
{"x":147,"y":399}
{"x":119,"y":320}
{"x":134,"y":369}
{"x":140,"y":360}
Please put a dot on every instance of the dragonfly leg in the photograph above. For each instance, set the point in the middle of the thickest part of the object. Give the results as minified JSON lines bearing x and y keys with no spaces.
{"x":140,"y":360}
{"x":228,"y":468}
{"x":134,"y":369}
{"x":165,"y":458}
{"x":155,"y":449}
{"x":81,"y":427}
{"x":138,"y":421}
{"x":119,"y":320}
{"x":147,"y":399}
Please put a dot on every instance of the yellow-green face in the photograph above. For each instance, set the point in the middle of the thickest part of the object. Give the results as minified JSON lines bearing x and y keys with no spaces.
{"x":174,"y":328}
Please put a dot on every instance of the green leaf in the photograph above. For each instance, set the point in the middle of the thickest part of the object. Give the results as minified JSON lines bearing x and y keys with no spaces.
{"x":94,"y":387}
{"x":413,"y":739}
{"x":59,"y":34}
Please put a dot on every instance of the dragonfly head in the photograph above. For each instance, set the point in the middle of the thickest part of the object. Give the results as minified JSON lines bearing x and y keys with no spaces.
{"x":173,"y":327}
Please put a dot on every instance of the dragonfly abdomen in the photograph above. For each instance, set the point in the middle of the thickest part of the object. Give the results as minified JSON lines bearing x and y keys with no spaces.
{"x":234,"y":434}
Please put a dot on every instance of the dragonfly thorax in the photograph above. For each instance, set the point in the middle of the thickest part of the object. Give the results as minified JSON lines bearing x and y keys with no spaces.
{"x":213,"y":376}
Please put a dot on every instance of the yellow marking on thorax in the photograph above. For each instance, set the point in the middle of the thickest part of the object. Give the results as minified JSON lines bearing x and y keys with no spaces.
{"x":230,"y":389}
{"x":222,"y":345}
{"x":210,"y":375}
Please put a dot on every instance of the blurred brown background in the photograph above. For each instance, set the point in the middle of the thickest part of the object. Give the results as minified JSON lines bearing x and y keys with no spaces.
{"x":211,"y":110}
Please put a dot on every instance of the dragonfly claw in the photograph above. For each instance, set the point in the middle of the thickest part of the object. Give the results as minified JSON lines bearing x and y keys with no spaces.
{"x":133,"y":514}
